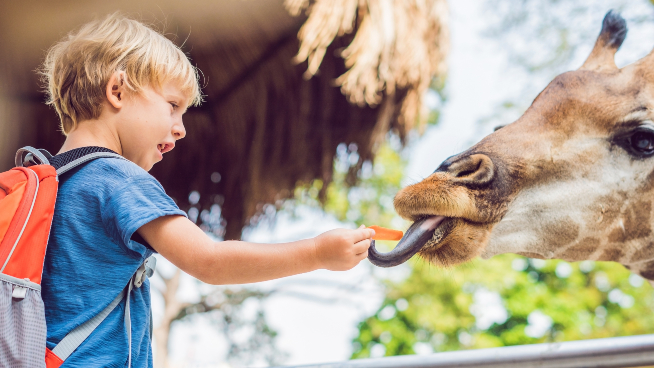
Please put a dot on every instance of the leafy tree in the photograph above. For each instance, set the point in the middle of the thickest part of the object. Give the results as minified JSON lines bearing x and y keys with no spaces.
{"x":507,"y":300}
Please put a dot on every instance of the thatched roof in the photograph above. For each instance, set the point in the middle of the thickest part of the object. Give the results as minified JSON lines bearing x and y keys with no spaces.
{"x":276,"y":107}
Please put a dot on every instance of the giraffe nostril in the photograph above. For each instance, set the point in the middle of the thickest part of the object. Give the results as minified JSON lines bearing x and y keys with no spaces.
{"x":474,"y":169}
{"x":467,"y":171}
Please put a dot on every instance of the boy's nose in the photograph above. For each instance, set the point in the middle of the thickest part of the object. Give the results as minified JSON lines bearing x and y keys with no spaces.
{"x":179,"y":131}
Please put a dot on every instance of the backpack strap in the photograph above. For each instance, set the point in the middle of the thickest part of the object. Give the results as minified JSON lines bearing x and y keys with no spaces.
{"x":76,"y":337}
{"x":28,"y":156}
{"x":86,"y":158}
{"x":144,"y":271}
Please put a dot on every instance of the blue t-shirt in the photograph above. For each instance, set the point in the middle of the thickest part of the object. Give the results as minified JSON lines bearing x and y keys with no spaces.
{"x":91,"y":258}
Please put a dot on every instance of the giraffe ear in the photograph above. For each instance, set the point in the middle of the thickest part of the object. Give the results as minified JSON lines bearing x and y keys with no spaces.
{"x":614,"y":31}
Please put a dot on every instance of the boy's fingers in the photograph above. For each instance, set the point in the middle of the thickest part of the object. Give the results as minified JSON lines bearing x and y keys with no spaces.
{"x":362,"y":246}
{"x":362,"y":256}
{"x":363,"y":233}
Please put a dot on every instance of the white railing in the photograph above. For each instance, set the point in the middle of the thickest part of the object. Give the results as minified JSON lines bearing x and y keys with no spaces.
{"x":630,"y":351}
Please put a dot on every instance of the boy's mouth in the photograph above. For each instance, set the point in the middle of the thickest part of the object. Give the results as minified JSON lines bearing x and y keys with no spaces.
{"x":165,"y":147}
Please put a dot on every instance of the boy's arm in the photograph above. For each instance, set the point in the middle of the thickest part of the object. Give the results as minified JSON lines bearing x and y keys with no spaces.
{"x":236,"y":262}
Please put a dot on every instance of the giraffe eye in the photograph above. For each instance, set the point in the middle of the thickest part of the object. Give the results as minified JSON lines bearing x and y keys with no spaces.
{"x":638,"y":142}
{"x":642,"y":142}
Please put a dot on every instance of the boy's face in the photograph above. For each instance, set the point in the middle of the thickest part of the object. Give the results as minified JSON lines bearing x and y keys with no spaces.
{"x":150,"y":123}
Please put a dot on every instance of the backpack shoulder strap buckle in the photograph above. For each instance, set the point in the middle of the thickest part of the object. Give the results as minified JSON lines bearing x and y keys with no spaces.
{"x":29,"y":156}
{"x":144,"y":271}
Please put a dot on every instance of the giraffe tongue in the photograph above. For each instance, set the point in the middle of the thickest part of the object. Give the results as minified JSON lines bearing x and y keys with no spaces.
{"x":414,"y":239}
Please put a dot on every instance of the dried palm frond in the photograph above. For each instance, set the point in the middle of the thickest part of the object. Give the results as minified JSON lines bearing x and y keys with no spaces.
{"x":399,"y":45}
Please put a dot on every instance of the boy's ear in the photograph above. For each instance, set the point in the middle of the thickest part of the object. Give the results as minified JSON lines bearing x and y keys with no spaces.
{"x":116,"y":89}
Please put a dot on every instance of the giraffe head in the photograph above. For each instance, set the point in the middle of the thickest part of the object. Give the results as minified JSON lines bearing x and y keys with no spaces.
{"x":573,"y":178}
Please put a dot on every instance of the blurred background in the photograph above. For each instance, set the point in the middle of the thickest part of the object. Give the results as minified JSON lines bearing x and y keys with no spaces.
{"x":316,"y":113}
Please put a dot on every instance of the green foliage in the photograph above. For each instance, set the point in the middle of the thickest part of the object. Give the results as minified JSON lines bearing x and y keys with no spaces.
{"x":441,"y":310}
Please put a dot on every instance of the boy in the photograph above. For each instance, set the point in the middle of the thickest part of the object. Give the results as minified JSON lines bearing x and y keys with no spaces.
{"x":118,"y":86}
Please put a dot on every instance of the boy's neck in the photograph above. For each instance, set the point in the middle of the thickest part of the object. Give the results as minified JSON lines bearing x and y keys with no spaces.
{"x":92,"y":133}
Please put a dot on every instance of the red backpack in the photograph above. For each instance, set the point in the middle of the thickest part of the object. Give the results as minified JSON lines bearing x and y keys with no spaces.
{"x":27,"y":203}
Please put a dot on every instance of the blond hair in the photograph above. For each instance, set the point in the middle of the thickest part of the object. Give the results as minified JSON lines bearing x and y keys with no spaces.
{"x":77,"y":69}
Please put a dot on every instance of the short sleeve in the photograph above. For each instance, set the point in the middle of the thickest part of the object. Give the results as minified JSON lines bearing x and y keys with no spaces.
{"x":134,"y":203}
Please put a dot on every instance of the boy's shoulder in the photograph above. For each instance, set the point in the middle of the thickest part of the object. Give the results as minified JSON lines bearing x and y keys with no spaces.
{"x":116,"y":168}
{"x":100,"y":173}
{"x":109,"y":175}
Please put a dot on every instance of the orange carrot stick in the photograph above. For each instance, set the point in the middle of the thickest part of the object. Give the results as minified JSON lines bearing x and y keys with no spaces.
{"x":382,"y":233}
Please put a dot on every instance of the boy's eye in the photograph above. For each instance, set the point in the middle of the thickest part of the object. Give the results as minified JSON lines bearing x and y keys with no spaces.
{"x":174,"y":105}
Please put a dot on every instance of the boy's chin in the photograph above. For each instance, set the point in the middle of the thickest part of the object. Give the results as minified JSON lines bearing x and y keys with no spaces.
{"x":148,"y":164}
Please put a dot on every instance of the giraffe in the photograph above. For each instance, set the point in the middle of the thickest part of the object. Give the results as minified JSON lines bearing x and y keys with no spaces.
{"x":571,"y":179}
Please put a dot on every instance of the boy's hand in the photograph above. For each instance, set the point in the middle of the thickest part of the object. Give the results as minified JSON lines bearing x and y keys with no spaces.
{"x":342,"y":249}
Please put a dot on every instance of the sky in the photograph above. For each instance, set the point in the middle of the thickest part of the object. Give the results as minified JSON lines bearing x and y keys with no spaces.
{"x":316,"y":314}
